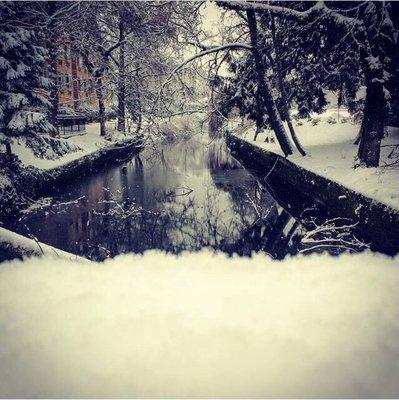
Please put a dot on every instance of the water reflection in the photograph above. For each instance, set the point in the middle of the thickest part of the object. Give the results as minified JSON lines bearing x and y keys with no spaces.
{"x":187,"y":196}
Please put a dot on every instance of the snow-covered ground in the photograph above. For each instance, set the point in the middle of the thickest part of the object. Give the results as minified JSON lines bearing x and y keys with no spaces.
{"x":88,"y":143}
{"x":33,"y":247}
{"x":200,"y":325}
{"x":331,"y":153}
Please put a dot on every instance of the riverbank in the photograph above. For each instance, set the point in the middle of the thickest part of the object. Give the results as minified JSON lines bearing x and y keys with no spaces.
{"x":28,"y":174}
{"x":76,"y":145}
{"x":331,"y":154}
{"x":378,"y":222}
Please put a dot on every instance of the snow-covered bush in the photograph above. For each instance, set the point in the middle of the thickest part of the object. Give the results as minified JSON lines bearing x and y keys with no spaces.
{"x":315,"y":120}
{"x":344,"y":120}
{"x":331,"y":120}
{"x":50,"y":148}
{"x":16,"y":184}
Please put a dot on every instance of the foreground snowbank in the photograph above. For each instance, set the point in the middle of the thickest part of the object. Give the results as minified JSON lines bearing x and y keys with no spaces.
{"x":331,"y":153}
{"x":200,"y":325}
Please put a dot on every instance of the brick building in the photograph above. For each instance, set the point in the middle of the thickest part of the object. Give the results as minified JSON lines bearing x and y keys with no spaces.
{"x":75,"y":84}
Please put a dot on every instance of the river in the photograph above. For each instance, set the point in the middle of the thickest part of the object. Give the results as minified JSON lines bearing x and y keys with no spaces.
{"x":183,"y":196}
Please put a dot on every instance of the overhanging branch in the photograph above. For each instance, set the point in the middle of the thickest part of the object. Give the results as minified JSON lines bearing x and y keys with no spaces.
{"x":320,"y":8}
{"x":228,"y":46}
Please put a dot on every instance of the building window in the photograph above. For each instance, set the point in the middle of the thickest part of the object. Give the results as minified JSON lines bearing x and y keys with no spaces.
{"x":63,"y":82}
{"x":67,"y":53}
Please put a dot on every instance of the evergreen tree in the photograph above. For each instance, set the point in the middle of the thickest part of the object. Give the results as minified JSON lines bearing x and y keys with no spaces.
{"x":23,"y":86}
{"x":370,"y":33}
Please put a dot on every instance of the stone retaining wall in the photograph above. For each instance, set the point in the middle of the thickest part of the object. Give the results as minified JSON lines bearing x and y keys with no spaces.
{"x":377,"y":221}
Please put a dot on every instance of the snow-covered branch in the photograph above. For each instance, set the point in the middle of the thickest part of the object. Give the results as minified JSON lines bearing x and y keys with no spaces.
{"x":210,"y":50}
{"x":319,"y":8}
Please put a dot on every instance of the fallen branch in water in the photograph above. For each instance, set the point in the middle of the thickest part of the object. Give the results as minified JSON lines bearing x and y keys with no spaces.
{"x":331,"y":236}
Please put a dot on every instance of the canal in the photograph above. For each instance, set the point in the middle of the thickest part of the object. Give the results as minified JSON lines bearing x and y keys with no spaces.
{"x":182,"y":196}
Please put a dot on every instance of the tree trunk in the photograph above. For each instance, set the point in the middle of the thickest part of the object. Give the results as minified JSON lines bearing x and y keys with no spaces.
{"x":139,"y":110}
{"x":53,"y":44}
{"x":54,"y":100}
{"x":101,"y":106}
{"x":8,"y":148}
{"x":294,"y":135}
{"x":280,"y":83}
{"x":121,"y":79}
{"x":98,"y":87}
{"x":264,"y":95}
{"x":259,"y":123}
{"x":376,"y":104}
{"x":359,"y":135}
{"x":375,"y":112}
{"x":138,"y":127}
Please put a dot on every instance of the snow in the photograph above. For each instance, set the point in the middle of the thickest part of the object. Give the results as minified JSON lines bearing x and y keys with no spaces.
{"x":30,"y":246}
{"x":20,"y":72}
{"x":88,"y":142}
{"x":25,"y":119}
{"x":16,"y":100}
{"x":331,"y":153}
{"x":4,"y":63}
{"x":4,"y":181}
{"x":200,"y":325}
{"x":9,"y":40}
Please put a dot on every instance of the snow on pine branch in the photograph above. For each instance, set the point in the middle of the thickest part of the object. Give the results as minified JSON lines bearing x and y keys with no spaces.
{"x":24,"y":120}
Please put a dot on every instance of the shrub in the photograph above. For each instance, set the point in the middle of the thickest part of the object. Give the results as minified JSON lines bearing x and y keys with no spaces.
{"x":49,"y":148}
{"x":315,"y":120}
{"x":331,"y":120}
{"x":344,"y":120}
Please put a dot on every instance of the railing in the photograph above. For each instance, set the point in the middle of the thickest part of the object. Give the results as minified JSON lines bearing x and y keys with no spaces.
{"x":71,"y":123}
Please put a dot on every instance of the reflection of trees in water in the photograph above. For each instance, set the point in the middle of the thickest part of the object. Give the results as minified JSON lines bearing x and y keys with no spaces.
{"x":267,"y":227}
{"x":182,"y":225}
{"x":264,"y":225}
{"x":219,"y":157}
{"x":272,"y":227}
{"x":216,"y":124}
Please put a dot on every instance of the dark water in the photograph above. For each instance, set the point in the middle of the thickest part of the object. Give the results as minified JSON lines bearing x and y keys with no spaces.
{"x":186,"y":196}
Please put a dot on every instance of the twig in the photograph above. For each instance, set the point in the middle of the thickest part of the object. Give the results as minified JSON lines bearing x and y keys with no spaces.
{"x":34,"y":238}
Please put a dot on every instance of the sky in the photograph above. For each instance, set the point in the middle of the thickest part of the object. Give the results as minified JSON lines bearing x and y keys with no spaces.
{"x":211,"y":14}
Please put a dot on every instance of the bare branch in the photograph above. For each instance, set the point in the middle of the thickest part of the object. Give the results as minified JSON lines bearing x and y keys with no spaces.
{"x":228,"y":46}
